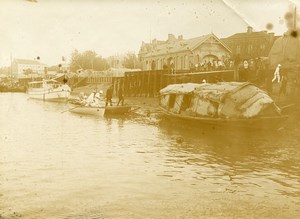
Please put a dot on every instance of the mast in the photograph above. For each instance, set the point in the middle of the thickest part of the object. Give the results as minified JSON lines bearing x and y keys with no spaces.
{"x":295,"y":18}
{"x":11,"y":66}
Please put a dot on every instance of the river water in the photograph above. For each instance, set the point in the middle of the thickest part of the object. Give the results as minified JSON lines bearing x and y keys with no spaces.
{"x":62,"y":165}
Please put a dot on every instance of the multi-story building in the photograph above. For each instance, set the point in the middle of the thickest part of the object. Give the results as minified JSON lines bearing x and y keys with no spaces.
{"x":23,"y":66}
{"x":250,"y":44}
{"x":182,"y":53}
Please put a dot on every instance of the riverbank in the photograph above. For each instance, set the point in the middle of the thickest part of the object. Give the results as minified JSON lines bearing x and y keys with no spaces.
{"x":148,"y":103}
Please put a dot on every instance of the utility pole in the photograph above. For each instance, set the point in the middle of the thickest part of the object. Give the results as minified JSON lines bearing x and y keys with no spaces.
{"x":10,"y":65}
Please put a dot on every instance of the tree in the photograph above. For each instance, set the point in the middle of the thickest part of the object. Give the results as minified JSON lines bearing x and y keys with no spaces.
{"x":87,"y":60}
{"x":75,"y":58}
{"x":100,"y":64}
{"x":131,"y":61}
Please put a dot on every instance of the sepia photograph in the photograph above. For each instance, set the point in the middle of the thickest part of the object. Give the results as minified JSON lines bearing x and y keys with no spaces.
{"x":160,"y":109}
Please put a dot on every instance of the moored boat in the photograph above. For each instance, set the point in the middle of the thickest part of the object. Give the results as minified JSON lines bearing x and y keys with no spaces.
{"x":48,"y":90}
{"x":100,"y":110}
{"x":88,"y":110}
{"x":94,"y":105}
{"x":225,"y":104}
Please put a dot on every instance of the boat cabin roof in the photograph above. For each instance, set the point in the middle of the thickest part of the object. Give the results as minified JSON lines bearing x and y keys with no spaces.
{"x":45,"y":81}
{"x":179,"y":88}
{"x":220,"y":88}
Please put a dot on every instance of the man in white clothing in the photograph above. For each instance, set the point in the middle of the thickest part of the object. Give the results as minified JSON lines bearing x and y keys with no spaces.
{"x":277,"y":74}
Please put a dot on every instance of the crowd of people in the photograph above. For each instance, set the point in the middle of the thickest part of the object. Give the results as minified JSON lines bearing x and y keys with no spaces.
{"x":211,"y":65}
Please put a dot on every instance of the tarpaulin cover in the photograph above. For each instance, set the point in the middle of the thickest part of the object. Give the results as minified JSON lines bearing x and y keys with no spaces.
{"x":224,"y":99}
{"x":179,"y":88}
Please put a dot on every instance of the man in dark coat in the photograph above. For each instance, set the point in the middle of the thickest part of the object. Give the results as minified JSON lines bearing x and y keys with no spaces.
{"x":109,"y":94}
{"x":121,"y":96}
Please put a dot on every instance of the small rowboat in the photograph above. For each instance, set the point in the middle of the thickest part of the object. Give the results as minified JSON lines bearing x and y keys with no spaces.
{"x":99,"y":111}
{"x":88,"y":110}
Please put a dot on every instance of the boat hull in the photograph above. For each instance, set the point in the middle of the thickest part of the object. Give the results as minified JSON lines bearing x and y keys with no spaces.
{"x":117,"y":110}
{"x":99,"y":111}
{"x":273,"y":122}
{"x":48,"y":90}
{"x":87,"y":110}
{"x":56,"y":96}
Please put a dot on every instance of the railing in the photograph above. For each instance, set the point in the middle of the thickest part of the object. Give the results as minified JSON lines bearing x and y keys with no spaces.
{"x":99,"y":80}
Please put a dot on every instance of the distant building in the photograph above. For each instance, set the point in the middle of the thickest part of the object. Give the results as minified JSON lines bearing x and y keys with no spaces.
{"x":65,"y":68}
{"x":250,"y":44}
{"x":25,"y":66}
{"x":107,"y":76}
{"x":116,"y":61}
{"x":180,"y":53}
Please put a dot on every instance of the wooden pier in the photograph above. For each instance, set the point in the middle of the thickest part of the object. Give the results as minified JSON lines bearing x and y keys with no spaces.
{"x":148,"y":83}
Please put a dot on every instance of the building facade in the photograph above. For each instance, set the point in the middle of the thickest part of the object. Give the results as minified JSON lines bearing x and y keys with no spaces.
{"x":250,"y":44}
{"x":24,"y":66}
{"x":182,"y":54}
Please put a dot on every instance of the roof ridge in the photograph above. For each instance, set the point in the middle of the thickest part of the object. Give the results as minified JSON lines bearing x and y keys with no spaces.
{"x":28,"y":61}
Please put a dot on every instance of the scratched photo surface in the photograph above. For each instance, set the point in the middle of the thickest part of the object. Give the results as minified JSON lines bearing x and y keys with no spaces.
{"x":149,"y":109}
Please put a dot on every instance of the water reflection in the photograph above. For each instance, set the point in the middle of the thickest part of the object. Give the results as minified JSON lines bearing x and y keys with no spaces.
{"x":129,"y":167}
{"x":243,"y":159}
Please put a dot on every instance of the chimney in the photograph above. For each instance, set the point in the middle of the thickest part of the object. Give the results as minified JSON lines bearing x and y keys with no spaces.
{"x":180,"y":37}
{"x":171,"y":37}
{"x":249,"y":29}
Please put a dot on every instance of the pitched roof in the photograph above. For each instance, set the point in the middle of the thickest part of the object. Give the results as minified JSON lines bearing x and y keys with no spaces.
{"x":28,"y":62}
{"x":252,"y":34}
{"x":176,"y":46}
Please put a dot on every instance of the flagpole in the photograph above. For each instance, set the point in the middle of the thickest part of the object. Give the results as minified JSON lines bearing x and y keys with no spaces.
{"x":11,"y":65}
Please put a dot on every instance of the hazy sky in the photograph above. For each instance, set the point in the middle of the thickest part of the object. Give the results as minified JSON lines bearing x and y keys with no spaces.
{"x":54,"y":28}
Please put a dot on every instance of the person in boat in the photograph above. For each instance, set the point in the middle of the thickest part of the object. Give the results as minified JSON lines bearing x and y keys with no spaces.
{"x":121,"y":97}
{"x":82,"y":98}
{"x":97,"y":98}
{"x":90,"y":99}
{"x":109,"y":94}
{"x":98,"y":95}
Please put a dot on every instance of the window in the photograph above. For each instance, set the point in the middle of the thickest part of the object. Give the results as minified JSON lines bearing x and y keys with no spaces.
{"x":181,"y":63}
{"x":249,"y":49}
{"x":172,"y":100}
{"x":238,"y":49}
{"x":186,"y":103}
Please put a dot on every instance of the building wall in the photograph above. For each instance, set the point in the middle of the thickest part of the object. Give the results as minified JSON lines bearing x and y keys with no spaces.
{"x":18,"y":68}
{"x":184,"y":60}
{"x":251,"y":44}
{"x":250,"y":47}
